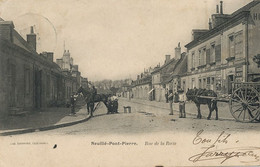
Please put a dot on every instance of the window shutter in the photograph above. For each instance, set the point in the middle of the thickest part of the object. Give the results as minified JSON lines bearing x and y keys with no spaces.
{"x":218,"y":53}
{"x":207,"y":56}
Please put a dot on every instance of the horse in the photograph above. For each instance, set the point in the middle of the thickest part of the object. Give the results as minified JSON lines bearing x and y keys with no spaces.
{"x":91,"y":98}
{"x":194,"y":95}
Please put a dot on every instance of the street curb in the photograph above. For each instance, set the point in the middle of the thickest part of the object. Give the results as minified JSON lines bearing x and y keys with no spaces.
{"x":220,"y":119}
{"x":30,"y":130}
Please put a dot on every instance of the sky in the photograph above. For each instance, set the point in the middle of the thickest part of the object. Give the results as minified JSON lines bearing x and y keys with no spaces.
{"x":112,"y":39}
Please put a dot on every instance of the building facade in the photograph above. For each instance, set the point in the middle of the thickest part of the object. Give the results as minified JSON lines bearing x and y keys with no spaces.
{"x":225,"y":52}
{"x":167,"y":76}
{"x":28,"y":80}
{"x":142,"y":86}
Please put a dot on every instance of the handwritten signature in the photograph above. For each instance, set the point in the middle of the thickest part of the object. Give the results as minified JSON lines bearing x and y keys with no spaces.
{"x":212,"y":153}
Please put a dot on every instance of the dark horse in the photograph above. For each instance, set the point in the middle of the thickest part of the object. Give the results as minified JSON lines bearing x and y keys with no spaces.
{"x":91,"y":98}
{"x":194,"y":95}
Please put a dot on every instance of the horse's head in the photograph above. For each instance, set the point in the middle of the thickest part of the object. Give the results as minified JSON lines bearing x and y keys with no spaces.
{"x":191,"y":93}
{"x":82,"y":90}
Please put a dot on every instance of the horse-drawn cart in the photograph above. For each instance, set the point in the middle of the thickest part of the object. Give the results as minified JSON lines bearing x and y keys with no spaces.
{"x":244,"y":101}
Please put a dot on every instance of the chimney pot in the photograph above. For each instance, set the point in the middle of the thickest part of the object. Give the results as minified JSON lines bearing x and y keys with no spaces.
{"x":31,"y":39}
{"x":210,"y":24}
{"x":217,"y":10}
{"x":32,"y":30}
{"x":221,"y":7}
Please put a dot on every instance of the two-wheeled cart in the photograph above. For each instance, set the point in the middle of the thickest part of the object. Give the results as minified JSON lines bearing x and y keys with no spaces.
{"x":244,"y":102}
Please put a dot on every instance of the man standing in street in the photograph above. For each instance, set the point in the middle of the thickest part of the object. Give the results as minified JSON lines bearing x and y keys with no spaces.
{"x":170,"y":99}
{"x":73,"y":99}
{"x":166,"y":95}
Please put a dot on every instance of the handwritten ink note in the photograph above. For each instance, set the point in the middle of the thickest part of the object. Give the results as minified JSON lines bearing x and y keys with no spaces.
{"x":215,"y":149}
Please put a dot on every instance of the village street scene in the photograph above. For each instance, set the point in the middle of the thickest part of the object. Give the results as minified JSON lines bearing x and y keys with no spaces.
{"x":211,"y":82}
{"x":129,"y":83}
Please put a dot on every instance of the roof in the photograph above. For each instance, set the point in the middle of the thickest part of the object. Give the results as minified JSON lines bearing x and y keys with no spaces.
{"x":246,"y":7}
{"x":181,"y":68}
{"x":171,"y":63}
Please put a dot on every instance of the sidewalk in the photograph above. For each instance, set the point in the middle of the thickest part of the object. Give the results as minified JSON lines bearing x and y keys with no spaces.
{"x":191,"y":109}
{"x":44,"y":119}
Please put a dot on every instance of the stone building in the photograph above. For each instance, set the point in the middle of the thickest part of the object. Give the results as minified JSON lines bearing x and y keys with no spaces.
{"x":28,"y":80}
{"x":225,"y":52}
{"x":71,"y":74}
{"x":164,"y":77}
{"x":142,"y":86}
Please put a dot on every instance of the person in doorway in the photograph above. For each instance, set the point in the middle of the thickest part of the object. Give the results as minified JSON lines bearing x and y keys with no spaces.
{"x":170,"y":99}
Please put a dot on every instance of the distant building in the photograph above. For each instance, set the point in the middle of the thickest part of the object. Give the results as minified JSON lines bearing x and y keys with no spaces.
{"x":73,"y":80}
{"x":142,"y":85}
{"x":84,"y":82}
{"x":168,"y":75}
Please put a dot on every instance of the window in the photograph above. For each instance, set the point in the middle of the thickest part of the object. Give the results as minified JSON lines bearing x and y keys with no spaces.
{"x":212,"y":53}
{"x":218,"y":53}
{"x":231,"y":46}
{"x":238,"y":45}
{"x":192,"y":83}
{"x":193,"y":60}
{"x":200,"y":56}
{"x":208,"y":80}
{"x":204,"y":83}
{"x":204,"y":56}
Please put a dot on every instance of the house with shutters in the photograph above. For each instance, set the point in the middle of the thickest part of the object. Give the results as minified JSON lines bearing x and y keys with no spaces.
{"x":227,"y":51}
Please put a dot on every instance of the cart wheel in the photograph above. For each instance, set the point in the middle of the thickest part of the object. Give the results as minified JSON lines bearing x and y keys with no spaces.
{"x":258,"y":119}
{"x":244,"y":104}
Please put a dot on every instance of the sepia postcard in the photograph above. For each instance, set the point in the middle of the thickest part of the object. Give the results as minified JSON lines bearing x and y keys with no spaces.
{"x":129,"y":83}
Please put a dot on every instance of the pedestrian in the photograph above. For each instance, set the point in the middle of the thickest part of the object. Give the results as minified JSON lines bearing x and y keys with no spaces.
{"x":182,"y":100}
{"x":73,"y":99}
{"x":166,"y":95}
{"x":170,"y":99}
{"x":115,"y":104}
{"x":109,"y":105}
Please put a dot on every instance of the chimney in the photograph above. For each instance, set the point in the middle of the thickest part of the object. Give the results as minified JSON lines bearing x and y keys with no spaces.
{"x":178,"y":51}
{"x":217,"y":10}
{"x":6,"y":30}
{"x":210,"y":24}
{"x":31,"y":39}
{"x":50,"y":56}
{"x":221,"y":7}
{"x":59,"y":62}
{"x":167,"y":58}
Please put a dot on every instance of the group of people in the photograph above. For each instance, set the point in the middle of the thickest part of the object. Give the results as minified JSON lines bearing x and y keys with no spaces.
{"x":176,"y":97}
{"x":112,"y":104}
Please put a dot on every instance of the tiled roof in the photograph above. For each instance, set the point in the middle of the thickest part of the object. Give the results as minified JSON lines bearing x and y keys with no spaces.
{"x":181,"y":68}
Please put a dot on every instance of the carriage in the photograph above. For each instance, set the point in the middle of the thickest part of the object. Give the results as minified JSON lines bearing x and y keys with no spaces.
{"x":244,"y":101}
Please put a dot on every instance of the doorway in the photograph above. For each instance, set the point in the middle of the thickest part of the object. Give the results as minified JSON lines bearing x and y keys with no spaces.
{"x":230,"y":81}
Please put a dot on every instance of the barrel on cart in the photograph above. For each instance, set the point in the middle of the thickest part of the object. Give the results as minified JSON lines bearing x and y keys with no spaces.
{"x":244,"y":102}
